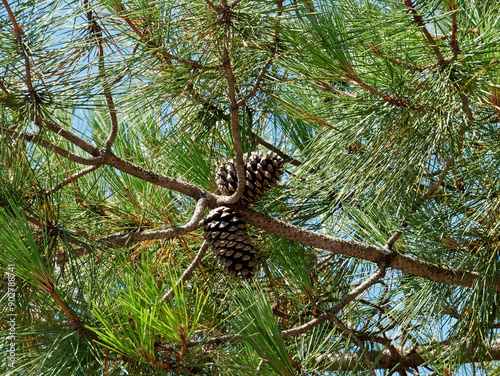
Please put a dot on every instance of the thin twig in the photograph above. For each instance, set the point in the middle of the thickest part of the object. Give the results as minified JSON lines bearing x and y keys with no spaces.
{"x":356,"y":340}
{"x":259,"y":367}
{"x":49,"y":228}
{"x":71,"y":137}
{"x":311,"y":324}
{"x":120,"y":10}
{"x":19,"y":32}
{"x":386,"y":97}
{"x":211,"y":5}
{"x":187,"y":273}
{"x":234,"y":3}
{"x":127,"y":238}
{"x":327,"y":87}
{"x":77,"y":175}
{"x":38,"y":140}
{"x":97,"y":30}
{"x":419,"y":21}
{"x":380,"y":273}
{"x":466,"y":106}
{"x":452,"y":7}
{"x":72,"y":319}
{"x":432,"y":188}
{"x":235,"y":129}
{"x":404,"y":64}
{"x":305,"y":115}
{"x":283,"y":155}
{"x":257,"y":82}
{"x":392,"y":240}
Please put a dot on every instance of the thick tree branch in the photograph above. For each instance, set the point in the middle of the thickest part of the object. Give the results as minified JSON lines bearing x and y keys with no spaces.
{"x":408,"y":356}
{"x":160,"y":180}
{"x":107,"y":157}
{"x":363,"y":251}
{"x":127,"y":238}
{"x":187,"y":273}
{"x":289,"y":231}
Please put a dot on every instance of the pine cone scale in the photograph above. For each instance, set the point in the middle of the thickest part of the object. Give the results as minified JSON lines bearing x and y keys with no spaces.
{"x":262,"y":171}
{"x":231,"y":245}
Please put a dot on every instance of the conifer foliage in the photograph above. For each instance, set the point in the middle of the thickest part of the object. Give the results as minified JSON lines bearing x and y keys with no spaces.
{"x":376,"y":253}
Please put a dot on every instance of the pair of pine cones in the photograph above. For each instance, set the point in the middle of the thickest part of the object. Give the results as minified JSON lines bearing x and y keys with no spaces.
{"x":227,"y":234}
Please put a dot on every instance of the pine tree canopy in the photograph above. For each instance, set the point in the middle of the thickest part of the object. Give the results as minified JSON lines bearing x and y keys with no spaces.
{"x":250,"y":187}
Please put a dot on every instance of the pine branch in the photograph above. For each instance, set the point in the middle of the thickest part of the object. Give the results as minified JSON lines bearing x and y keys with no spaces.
{"x":286,"y":157}
{"x":70,"y":179}
{"x":187,"y":273}
{"x":409,"y":356}
{"x":386,"y":97}
{"x":311,"y":324}
{"x":380,"y":273}
{"x":419,"y":21}
{"x":452,"y":6}
{"x":234,"y":3}
{"x":38,"y":140}
{"x":404,"y":64}
{"x":432,"y":188}
{"x":19,"y":32}
{"x":211,"y":5}
{"x":158,"y":179}
{"x":121,"y":10}
{"x":406,"y":264}
{"x":256,"y":84}
{"x":71,"y":137}
{"x":72,"y":319}
{"x":356,"y":340}
{"x":327,"y":87}
{"x":235,"y":129}
{"x":98,"y":34}
{"x":128,"y":238}
{"x":305,"y":115}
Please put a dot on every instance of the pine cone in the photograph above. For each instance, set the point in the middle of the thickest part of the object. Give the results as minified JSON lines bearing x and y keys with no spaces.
{"x":227,"y":236}
{"x":262,"y":171}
